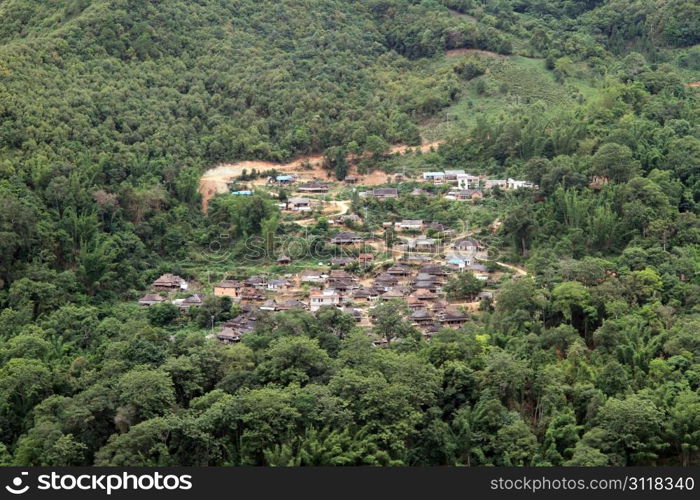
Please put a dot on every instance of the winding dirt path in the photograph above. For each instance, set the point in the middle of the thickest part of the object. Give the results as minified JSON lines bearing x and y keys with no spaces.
{"x":333,"y":207}
{"x":519,"y":270}
{"x":215,"y":181}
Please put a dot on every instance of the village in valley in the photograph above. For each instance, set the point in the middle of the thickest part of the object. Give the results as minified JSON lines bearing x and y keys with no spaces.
{"x":418,"y":264}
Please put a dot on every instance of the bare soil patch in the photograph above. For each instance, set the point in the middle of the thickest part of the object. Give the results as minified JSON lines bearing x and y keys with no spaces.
{"x":216,"y":180}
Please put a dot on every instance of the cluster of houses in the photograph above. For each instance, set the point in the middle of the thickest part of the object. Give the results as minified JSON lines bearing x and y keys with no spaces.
{"x":302,"y":186}
{"x":384,"y":193}
{"x":464,"y":180}
{"x":417,"y":279}
{"x":469,"y":187}
{"x":297,"y":204}
{"x":171,"y":284}
{"x":419,"y":284}
{"x":421,"y":289}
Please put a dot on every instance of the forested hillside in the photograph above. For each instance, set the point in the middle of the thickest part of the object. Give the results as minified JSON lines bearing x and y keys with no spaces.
{"x":111,"y":110}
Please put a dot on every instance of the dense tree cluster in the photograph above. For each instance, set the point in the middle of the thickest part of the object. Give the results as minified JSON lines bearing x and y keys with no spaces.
{"x":111,"y":109}
{"x":555,"y":376}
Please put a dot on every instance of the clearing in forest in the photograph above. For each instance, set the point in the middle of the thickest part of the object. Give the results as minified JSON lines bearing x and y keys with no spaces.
{"x":216,"y":180}
{"x":461,"y":52}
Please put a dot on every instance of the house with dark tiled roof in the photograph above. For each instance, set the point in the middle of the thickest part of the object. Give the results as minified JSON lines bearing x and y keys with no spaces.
{"x":479,"y":270}
{"x":228,"y":335}
{"x":355,"y":313}
{"x":414,"y":303}
{"x":251,"y":295}
{"x":151,"y":298}
{"x":346,"y":238}
{"x":399,"y":270}
{"x":299,"y":204}
{"x":255,"y":282}
{"x":228,"y":288}
{"x":384,"y":193}
{"x":341,"y":285}
{"x":170,"y":283}
{"x":269,"y":305}
{"x":385,"y":281}
{"x":340,"y":274}
{"x":195,"y":300}
{"x":424,"y":295}
{"x":430,"y":285}
{"x":313,"y":187}
{"x":421,"y":317}
{"x":362,"y":295}
{"x":292,"y":304}
{"x":433,"y":270}
{"x":452,"y":317}
{"x":468,"y":245}
{"x":440,"y":305}
{"x":232,"y":330}
{"x":468,"y":194}
{"x":391,"y":295}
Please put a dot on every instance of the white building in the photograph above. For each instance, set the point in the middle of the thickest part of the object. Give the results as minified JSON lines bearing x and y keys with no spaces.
{"x":459,"y":261}
{"x":492,"y":183}
{"x":324,"y":298}
{"x":452,"y":175}
{"x":436,"y":177}
{"x":468,"y":181}
{"x":513,"y":184}
{"x":410,"y":225}
{"x":312,"y":276}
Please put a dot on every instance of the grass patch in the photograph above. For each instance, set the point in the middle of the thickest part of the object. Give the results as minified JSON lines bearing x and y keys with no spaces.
{"x":508,"y":84}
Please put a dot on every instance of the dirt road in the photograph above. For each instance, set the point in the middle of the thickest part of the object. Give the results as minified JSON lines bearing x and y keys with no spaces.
{"x":333,"y":207}
{"x":215,"y":181}
{"x":519,"y":270}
